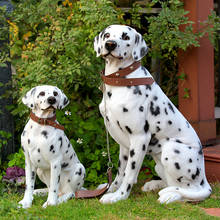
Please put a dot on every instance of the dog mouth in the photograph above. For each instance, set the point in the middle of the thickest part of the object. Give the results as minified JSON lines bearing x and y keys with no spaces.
{"x":110,"y":54}
{"x":51,"y":107}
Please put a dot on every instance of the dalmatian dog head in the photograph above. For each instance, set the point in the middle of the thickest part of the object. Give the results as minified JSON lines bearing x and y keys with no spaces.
{"x":45,"y":98}
{"x":120,"y":42}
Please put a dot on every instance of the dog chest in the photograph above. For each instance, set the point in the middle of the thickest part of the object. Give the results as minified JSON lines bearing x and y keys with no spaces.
{"x":43,"y":143}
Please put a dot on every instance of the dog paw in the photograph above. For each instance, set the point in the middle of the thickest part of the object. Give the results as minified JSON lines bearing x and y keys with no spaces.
{"x":113,"y":188}
{"x":153,"y":185}
{"x":66,"y":197}
{"x":24,"y":204}
{"x":168,"y":197}
{"x":113,"y":197}
{"x":40,"y":192}
{"x":100,"y":186}
{"x":49,"y":203}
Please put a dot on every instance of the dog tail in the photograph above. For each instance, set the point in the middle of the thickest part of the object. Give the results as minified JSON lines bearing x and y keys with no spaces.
{"x":191,"y":194}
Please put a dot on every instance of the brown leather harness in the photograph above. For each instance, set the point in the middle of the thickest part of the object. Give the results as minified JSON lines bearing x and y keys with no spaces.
{"x":118,"y":78}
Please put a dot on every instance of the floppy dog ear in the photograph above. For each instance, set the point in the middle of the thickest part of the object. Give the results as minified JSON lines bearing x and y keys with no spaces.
{"x":140,"y":47}
{"x":64,"y":101}
{"x":28,"y":99}
{"x":97,"y":45}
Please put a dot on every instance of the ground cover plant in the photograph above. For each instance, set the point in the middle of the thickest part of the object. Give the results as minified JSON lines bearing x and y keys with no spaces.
{"x":51,"y":42}
{"x":139,"y":206}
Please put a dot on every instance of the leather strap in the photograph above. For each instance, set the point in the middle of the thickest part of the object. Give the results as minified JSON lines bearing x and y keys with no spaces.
{"x":117,"y":78}
{"x":86,"y":194}
{"x":46,"y":121}
{"x":126,"y":71}
{"x":127,"y":82}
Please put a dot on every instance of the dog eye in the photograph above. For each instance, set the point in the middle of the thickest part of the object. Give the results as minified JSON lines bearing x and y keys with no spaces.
{"x":125,"y":36}
{"x":55,"y":93}
{"x":107,"y":35}
{"x":42,"y":93}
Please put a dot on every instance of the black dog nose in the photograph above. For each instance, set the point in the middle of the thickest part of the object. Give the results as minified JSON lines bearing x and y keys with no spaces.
{"x":51,"y":100}
{"x":110,"y":45}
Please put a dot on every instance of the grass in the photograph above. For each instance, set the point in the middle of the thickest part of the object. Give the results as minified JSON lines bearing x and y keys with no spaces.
{"x":138,"y":206}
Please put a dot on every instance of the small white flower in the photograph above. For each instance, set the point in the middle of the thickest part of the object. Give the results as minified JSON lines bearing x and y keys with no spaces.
{"x":104,"y":154}
{"x":79,"y":141}
{"x":67,"y":113}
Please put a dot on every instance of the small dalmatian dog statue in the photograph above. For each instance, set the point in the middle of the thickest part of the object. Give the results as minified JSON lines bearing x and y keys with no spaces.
{"x":48,"y":152}
{"x":142,"y":120}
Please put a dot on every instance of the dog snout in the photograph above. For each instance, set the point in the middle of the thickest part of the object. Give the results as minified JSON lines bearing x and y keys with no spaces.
{"x":110,"y":45}
{"x":51,"y":100}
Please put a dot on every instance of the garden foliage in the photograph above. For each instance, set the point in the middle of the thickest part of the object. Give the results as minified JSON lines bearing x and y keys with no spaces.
{"x":51,"y":42}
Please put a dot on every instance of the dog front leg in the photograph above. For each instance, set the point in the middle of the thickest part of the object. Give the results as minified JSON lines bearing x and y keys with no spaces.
{"x":137,"y":153}
{"x":30,"y":175}
{"x":55,"y":169}
{"x":123,"y":159}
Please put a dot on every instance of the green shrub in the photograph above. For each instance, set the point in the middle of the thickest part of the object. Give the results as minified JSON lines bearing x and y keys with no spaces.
{"x":52,"y":43}
{"x":55,"y":42}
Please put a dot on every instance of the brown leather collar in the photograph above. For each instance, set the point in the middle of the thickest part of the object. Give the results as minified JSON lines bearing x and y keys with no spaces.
{"x":117,"y":78}
{"x":46,"y":121}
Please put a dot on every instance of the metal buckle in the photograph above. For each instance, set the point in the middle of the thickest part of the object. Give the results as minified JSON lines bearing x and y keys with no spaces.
{"x":42,"y":121}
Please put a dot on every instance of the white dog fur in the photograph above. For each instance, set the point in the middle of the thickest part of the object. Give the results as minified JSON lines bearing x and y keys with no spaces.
{"x":142,"y":120}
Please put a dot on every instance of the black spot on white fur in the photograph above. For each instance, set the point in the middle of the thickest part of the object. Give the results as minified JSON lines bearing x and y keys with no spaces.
{"x":176,"y":151}
{"x":153,"y":140}
{"x":133,"y":164}
{"x":51,"y":147}
{"x":179,"y":141}
{"x":148,"y":87}
{"x":141,"y":108}
{"x":125,"y":157}
{"x":61,"y":141}
{"x":196,"y":174}
{"x":179,"y":179}
{"x":137,"y":39}
{"x":44,"y":133}
{"x":128,"y":129}
{"x":202,"y":183}
{"x":79,"y":172}
{"x":144,"y":70}
{"x":165,"y":110}
{"x":177,"y":165}
{"x":125,"y":109}
{"x":118,"y":123}
{"x":158,"y":129}
{"x":137,"y":91}
{"x":64,"y":165}
{"x":155,"y":110}
{"x":132,"y":153}
{"x":171,"y":107}
{"x":109,"y":94}
{"x":146,"y":126}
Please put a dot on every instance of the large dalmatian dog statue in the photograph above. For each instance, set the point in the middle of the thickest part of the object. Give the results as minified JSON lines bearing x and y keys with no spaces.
{"x":48,"y":152}
{"x":142,"y":120}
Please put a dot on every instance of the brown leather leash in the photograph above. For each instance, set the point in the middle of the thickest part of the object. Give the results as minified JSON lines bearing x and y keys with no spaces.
{"x":86,"y":194}
{"x":118,"y":78}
